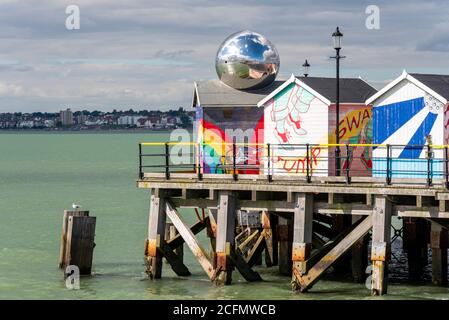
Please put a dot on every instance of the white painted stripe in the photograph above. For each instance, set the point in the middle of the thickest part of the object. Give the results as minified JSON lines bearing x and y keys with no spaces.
{"x":437,"y":137}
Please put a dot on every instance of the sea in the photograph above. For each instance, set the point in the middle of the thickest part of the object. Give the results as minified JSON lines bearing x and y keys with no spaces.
{"x":42,"y":174}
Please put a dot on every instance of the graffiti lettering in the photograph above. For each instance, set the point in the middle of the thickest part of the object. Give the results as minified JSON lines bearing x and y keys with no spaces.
{"x":353,"y":122}
{"x":299,"y":165}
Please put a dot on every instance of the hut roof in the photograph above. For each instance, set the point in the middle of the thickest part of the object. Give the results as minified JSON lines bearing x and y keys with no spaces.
{"x":214,"y":93}
{"x":352,"y":90}
{"x":437,"y":82}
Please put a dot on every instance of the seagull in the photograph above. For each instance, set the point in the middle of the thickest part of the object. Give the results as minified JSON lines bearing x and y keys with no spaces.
{"x":75,"y":206}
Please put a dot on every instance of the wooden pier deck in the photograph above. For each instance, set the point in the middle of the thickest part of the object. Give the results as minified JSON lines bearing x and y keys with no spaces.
{"x":310,"y":225}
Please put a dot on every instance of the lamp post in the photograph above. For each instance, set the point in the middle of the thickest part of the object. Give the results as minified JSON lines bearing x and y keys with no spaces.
{"x":306,"y":68}
{"x":336,"y":36}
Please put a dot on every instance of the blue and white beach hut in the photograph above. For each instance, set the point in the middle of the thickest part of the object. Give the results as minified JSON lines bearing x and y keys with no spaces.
{"x":410,"y":116}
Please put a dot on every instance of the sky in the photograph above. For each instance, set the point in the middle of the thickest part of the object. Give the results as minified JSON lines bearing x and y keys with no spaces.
{"x":146,"y":54}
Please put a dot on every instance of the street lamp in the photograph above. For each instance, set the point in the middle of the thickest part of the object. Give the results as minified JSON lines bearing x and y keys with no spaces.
{"x":336,"y":36}
{"x":306,"y":68}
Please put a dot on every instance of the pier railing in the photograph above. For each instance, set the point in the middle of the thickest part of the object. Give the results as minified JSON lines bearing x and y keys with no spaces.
{"x":391,"y":163}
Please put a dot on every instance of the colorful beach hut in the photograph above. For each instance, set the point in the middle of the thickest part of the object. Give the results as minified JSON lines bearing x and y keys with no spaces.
{"x":409,"y":113}
{"x":228,"y":118}
{"x":302,"y":111}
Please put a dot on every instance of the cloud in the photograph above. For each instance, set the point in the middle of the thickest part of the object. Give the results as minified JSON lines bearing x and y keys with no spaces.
{"x":9,"y":89}
{"x":172,"y":54}
{"x":148,"y":53}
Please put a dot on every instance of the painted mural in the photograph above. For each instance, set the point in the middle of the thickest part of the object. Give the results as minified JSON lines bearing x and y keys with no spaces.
{"x":219,"y":128}
{"x":355,"y":128}
{"x":415,"y":121}
{"x":295,"y":116}
{"x":446,"y":125}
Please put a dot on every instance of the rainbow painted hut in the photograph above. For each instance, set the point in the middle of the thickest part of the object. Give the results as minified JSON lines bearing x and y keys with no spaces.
{"x":283,"y":117}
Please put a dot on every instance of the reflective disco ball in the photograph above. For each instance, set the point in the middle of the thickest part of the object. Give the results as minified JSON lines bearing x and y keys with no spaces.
{"x":247,"y":60}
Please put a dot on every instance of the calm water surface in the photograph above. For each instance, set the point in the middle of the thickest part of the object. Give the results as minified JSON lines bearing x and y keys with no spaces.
{"x":42,"y":174}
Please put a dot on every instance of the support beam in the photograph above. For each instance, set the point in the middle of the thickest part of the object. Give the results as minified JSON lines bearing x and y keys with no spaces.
{"x":189,"y":238}
{"x":380,"y":248}
{"x":247,"y":244}
{"x":175,"y":260}
{"x":302,"y":231}
{"x":327,"y":255}
{"x":322,"y":230}
{"x":156,"y":234}
{"x":225,"y":237}
{"x":439,"y":242}
{"x":340,"y":223}
{"x":177,"y":241}
{"x":270,"y":257}
{"x":257,"y":249}
{"x":243,"y":267}
{"x":212,"y":229}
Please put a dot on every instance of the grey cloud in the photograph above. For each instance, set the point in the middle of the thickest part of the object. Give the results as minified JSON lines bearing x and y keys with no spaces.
{"x":172,"y":54}
{"x":148,"y":53}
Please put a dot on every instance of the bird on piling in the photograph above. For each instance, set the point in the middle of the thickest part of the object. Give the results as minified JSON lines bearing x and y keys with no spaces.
{"x":75,"y":206}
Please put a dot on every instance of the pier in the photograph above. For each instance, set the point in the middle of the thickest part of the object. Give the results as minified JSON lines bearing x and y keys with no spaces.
{"x":309,"y":222}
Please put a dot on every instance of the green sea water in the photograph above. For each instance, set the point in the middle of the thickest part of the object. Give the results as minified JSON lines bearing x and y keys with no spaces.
{"x":42,"y":174}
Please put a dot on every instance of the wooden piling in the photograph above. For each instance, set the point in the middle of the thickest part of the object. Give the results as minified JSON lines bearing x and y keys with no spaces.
{"x":302,"y":231}
{"x":439,"y":244}
{"x":156,"y":234}
{"x":416,"y":234}
{"x":284,"y":234}
{"x":225,"y":238}
{"x":380,"y":247}
{"x":359,"y":256}
{"x":274,"y":239}
{"x":65,"y":221}
{"x":80,"y":243}
{"x":255,"y":195}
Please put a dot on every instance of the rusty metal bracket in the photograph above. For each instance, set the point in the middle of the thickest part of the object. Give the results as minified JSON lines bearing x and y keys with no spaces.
{"x":301,"y":251}
{"x":380,"y":251}
{"x":151,"y":247}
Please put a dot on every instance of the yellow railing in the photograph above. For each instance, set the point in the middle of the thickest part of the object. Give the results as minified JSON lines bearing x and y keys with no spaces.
{"x":240,"y":144}
{"x":302,"y":159}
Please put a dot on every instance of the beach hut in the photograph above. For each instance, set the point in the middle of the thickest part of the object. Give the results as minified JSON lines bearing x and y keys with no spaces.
{"x":228,"y":118}
{"x":408,"y":113}
{"x":302,"y":111}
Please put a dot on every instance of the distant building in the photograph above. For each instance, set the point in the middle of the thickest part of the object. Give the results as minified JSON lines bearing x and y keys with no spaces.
{"x":26,"y":124}
{"x":81,"y":119}
{"x":49,"y":123}
{"x":128,"y":120}
{"x":66,"y":117}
